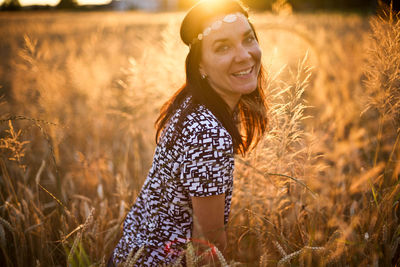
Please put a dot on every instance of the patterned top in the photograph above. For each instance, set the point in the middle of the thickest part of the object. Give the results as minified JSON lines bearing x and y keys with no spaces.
{"x":199,"y":163}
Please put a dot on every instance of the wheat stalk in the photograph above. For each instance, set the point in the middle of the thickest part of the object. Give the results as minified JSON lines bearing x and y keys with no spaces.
{"x":220,"y":257}
{"x":189,"y":255}
{"x":289,"y":257}
{"x":133,"y":256}
{"x":3,"y":242}
{"x":82,"y":228}
{"x":8,"y":225}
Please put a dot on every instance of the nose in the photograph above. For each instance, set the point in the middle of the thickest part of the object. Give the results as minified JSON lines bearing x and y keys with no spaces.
{"x":242,"y":53}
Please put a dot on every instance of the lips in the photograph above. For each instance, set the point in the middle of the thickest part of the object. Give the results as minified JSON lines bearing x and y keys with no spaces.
{"x":243,"y":72}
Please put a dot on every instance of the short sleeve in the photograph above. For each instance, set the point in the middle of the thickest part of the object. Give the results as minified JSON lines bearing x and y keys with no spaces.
{"x":207,"y":165}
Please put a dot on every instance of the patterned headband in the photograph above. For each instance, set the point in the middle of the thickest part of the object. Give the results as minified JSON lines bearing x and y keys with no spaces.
{"x":230,"y":18}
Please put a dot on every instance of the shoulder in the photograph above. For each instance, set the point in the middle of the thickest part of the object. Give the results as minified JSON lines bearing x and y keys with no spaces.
{"x":202,"y":125}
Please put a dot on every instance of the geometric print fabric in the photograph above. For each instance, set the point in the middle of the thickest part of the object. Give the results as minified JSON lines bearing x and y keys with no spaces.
{"x":199,"y":163}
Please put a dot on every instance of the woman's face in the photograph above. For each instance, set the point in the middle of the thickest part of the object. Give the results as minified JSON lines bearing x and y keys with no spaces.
{"x":231,"y":59}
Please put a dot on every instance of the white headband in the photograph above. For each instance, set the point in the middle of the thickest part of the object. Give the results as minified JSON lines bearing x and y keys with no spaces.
{"x":230,"y":18}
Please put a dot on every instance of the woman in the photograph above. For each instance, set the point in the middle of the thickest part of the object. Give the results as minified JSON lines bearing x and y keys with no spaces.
{"x":219,"y":111}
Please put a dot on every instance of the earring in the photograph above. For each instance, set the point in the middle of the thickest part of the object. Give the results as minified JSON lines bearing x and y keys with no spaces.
{"x":203,"y":76}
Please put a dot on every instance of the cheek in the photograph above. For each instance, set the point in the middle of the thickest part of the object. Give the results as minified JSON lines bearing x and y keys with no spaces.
{"x":256,"y":51}
{"x":217,"y":66}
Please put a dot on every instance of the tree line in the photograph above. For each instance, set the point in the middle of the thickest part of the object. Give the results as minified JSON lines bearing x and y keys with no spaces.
{"x":14,"y":5}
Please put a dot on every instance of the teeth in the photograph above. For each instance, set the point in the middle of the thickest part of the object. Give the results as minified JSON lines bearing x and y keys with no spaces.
{"x":243,"y":72}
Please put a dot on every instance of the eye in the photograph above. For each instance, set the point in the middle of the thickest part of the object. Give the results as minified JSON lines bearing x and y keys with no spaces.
{"x":222,"y":48}
{"x":249,"y":39}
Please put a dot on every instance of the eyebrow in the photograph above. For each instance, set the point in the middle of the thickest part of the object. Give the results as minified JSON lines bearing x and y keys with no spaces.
{"x":226,"y":39}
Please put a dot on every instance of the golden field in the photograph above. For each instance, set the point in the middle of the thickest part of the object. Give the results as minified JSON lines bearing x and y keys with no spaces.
{"x":81,"y":92}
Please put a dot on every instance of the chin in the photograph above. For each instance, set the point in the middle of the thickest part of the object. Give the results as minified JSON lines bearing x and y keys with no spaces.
{"x":248,"y":89}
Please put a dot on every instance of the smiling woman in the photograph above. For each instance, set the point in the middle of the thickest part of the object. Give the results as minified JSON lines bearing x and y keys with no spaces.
{"x":218,"y":112}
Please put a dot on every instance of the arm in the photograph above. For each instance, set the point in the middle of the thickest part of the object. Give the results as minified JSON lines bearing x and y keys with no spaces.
{"x":206,"y":174}
{"x":208,"y":220}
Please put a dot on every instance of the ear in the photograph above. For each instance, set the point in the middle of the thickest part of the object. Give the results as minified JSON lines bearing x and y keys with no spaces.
{"x":201,"y":70}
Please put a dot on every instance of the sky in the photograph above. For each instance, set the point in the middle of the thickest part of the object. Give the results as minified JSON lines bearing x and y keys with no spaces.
{"x":55,"y":2}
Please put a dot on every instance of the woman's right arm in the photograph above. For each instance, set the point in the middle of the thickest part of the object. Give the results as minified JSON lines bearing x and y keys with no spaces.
{"x":208,"y":220}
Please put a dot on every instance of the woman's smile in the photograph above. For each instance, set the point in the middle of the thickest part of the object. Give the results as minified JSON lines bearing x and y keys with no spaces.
{"x":244,"y":74}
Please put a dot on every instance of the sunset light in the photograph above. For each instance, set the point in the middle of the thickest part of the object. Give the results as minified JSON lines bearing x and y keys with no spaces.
{"x":182,"y":132}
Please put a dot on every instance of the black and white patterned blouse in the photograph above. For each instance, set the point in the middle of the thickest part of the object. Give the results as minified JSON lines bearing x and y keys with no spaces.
{"x":200,"y":163}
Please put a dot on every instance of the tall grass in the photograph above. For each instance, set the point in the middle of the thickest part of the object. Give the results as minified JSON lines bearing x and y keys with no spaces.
{"x":77,"y":139}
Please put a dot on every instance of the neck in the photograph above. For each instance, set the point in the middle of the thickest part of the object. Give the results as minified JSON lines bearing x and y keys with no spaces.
{"x":232,"y":102}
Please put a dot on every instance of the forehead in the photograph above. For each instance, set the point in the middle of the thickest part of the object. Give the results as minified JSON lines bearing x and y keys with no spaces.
{"x":226,"y":30}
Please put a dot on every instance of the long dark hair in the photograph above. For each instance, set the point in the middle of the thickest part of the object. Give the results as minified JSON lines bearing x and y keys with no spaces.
{"x":251,"y":109}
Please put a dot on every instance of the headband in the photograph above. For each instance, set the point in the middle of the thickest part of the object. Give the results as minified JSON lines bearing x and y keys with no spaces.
{"x":230,"y":18}
{"x":192,"y":27}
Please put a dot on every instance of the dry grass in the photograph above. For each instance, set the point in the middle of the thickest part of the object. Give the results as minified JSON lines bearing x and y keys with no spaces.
{"x":77,"y":137}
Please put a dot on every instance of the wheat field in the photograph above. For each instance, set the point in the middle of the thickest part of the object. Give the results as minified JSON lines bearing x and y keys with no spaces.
{"x":80,"y":94}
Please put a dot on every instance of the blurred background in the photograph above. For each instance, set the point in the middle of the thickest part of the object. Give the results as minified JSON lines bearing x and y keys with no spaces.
{"x":81,"y":84}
